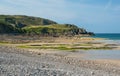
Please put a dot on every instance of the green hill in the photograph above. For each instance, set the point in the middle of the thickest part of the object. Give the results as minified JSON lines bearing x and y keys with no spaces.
{"x":28,"y":25}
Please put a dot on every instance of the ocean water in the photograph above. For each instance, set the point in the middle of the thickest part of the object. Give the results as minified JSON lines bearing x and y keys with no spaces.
{"x":110,"y":36}
{"x":105,"y":54}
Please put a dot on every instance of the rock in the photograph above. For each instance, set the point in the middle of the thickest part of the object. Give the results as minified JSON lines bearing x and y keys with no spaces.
{"x":43,"y":66}
{"x":39,"y":53}
{"x":92,"y":73}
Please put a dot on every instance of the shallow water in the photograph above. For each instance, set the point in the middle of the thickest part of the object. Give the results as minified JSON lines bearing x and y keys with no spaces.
{"x":102,"y":54}
{"x":109,"y":41}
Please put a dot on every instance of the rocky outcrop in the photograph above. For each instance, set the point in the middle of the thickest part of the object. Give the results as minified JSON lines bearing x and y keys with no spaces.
{"x":28,"y":25}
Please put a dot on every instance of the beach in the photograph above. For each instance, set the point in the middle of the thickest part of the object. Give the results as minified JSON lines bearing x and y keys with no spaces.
{"x":59,"y":38}
{"x":23,"y":62}
{"x":56,"y":57}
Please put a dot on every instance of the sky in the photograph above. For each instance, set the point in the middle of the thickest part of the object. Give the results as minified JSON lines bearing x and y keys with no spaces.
{"x":99,"y":16}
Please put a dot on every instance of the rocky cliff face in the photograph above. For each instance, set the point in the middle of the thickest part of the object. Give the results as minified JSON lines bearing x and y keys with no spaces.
{"x":39,"y":26}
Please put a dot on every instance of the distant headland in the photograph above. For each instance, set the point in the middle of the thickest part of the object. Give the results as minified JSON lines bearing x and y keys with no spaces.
{"x":28,"y":25}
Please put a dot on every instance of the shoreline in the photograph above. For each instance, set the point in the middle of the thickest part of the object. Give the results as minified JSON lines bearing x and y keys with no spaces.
{"x":15,"y":60}
{"x":53,"y":63}
{"x":75,"y":43}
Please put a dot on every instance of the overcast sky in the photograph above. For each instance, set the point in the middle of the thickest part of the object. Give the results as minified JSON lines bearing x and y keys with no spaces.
{"x":99,"y":16}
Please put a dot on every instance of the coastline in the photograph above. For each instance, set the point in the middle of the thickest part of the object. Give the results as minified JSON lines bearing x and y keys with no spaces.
{"x":46,"y":62}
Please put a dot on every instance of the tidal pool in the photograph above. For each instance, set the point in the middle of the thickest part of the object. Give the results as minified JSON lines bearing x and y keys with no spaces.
{"x":101,"y":54}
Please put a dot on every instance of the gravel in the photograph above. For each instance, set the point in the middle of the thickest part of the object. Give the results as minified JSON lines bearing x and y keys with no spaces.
{"x":20,"y":62}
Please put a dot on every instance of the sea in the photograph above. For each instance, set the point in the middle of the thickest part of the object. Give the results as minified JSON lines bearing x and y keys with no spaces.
{"x":105,"y":54}
{"x":110,"y":36}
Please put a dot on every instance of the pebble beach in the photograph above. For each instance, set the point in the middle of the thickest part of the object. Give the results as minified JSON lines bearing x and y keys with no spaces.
{"x":26,"y":62}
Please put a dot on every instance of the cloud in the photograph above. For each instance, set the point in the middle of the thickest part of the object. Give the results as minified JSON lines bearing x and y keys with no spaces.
{"x":63,"y":11}
{"x":52,"y":9}
{"x":90,"y":13}
{"x":108,"y":5}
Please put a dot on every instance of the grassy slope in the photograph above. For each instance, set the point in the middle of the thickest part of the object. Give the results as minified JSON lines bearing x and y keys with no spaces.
{"x":7,"y":28}
{"x":26,"y":20}
{"x":34,"y":25}
{"x":55,"y":29}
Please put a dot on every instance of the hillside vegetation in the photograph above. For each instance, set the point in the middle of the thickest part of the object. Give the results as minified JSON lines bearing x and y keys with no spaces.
{"x":20,"y":24}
